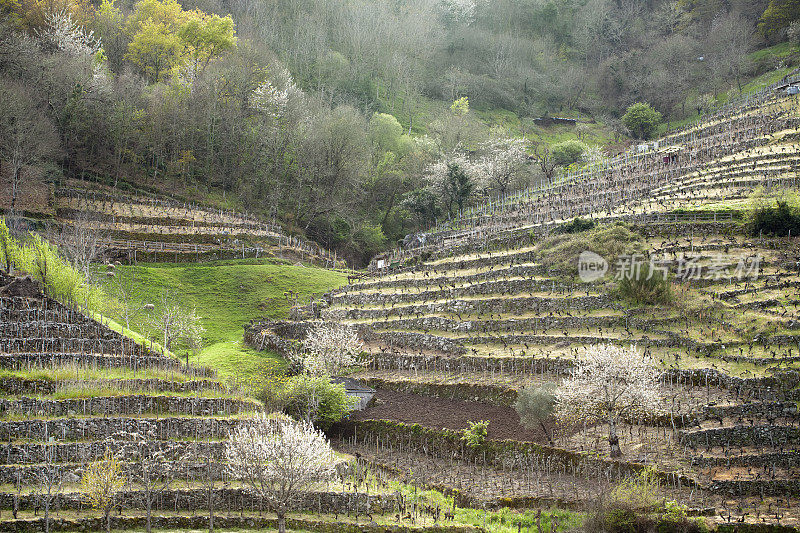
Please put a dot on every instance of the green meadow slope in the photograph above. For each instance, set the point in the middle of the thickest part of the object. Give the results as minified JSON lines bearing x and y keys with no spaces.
{"x":226,"y":295}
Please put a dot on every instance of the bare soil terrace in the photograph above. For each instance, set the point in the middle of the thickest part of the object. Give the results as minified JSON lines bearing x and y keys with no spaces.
{"x":438,"y":413}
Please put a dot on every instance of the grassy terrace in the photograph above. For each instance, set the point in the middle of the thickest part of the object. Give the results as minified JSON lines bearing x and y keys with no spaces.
{"x":501,"y":521}
{"x":74,"y":372}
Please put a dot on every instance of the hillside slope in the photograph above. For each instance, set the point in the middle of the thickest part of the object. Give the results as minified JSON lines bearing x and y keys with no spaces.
{"x":491,"y":304}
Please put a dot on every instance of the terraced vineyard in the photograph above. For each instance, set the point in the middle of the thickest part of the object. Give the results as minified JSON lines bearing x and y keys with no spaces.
{"x":483,"y":326}
{"x":156,"y":228}
{"x":73,"y":390}
{"x":456,"y":327}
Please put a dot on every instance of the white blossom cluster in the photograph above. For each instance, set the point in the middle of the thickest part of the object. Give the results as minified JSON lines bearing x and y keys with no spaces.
{"x":503,"y":157}
{"x":594,"y":156}
{"x":279,"y":458}
{"x":496,"y":169}
{"x":461,"y":10}
{"x":608,"y":382}
{"x":68,"y":36}
{"x":329,"y":348}
{"x":436,"y":173}
{"x":275,"y":100}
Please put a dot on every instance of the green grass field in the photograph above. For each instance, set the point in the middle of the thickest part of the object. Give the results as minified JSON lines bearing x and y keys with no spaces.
{"x":226,"y":295}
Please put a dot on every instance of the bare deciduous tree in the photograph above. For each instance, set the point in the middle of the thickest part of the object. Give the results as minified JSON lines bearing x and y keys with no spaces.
{"x":82,"y":242}
{"x":47,"y":480}
{"x":279,"y":460}
{"x":545,"y":160}
{"x":155,"y":464}
{"x":176,"y":323}
{"x":128,"y":293}
{"x":26,"y":135}
{"x":729,"y":40}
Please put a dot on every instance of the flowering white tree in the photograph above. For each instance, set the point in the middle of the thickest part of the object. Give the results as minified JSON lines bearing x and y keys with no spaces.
{"x":274,"y":99}
{"x":68,"y":36}
{"x":269,"y":99}
{"x":504,"y":159}
{"x":442,"y":181}
{"x":329,"y":348}
{"x":607,"y":383}
{"x":279,"y":460}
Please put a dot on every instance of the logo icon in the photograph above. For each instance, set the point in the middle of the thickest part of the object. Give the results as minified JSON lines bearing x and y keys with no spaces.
{"x":591,"y":266}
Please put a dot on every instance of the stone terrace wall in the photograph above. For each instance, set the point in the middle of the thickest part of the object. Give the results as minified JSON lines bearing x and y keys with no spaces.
{"x":75,"y":429}
{"x":127,"y":405}
{"x":19,"y":386}
{"x":227,"y":499}
{"x":519,"y":305}
{"x":83,"y":452}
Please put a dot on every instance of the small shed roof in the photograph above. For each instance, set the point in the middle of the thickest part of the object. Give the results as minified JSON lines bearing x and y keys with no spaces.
{"x":357,"y":390}
{"x":352,"y":385}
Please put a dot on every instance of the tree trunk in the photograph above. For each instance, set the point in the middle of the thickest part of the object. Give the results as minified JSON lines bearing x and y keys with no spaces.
{"x":14,"y":186}
{"x":613,"y":439}
{"x":47,"y":515}
{"x":149,"y":506}
{"x":547,"y":433}
{"x":108,"y":520}
{"x":281,"y":522}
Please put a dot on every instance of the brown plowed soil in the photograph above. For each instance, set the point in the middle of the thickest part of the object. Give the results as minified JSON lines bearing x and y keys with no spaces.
{"x":438,"y":413}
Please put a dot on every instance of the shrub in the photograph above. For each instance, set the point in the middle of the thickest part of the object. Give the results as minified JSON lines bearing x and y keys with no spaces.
{"x":316,"y":399}
{"x":639,"y":491}
{"x":637,"y":505}
{"x":620,"y":520}
{"x":535,"y":405}
{"x":476,"y":433}
{"x":618,"y":517}
{"x":567,"y":152}
{"x":777,"y":221}
{"x":648,"y":287}
{"x":576,"y":225}
{"x":642,"y":120}
{"x":561,"y":251}
{"x":370,"y":239}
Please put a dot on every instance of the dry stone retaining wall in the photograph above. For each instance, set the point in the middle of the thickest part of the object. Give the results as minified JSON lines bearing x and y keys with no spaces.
{"x":200,"y":522}
{"x":84,"y":452}
{"x":78,"y":429}
{"x":762,"y":435}
{"x":517,"y":305}
{"x":228,"y":499}
{"x":126,"y":405}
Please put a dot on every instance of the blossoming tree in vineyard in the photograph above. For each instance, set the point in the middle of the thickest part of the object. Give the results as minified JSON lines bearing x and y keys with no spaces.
{"x":279,"y":460}
{"x":607,"y":384}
